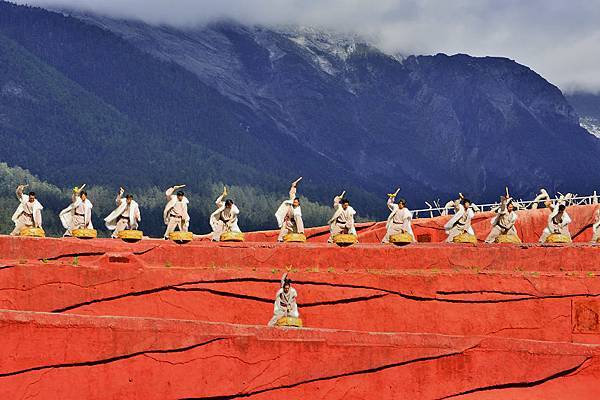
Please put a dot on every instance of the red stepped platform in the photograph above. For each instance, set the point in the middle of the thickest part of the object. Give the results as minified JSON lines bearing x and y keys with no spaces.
{"x":104,"y":319}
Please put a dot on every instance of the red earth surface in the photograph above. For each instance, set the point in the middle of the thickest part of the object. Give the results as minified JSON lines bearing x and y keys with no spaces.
{"x":104,"y":319}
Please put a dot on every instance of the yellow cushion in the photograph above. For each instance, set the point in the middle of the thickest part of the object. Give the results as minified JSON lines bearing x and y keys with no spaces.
{"x":85,"y":233}
{"x":33,"y":232}
{"x":558,"y":238}
{"x":130,"y":234}
{"x":401,"y":238}
{"x":289,"y":321}
{"x":179,"y":236}
{"x":232,"y":237}
{"x":345,"y":239}
{"x":295,"y":237}
{"x":508,"y":239}
{"x":465,"y":238}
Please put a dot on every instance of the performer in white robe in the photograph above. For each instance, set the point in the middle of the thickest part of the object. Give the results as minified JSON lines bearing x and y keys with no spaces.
{"x":79,"y":214}
{"x":504,"y":222}
{"x":289,"y":214}
{"x":285,"y":301}
{"x":126,"y":216}
{"x":399,"y":220}
{"x":558,"y":221}
{"x":175,"y":214}
{"x":224,"y":218}
{"x":342,"y":220}
{"x":28,"y":213}
{"x":596,"y":227}
{"x":461,"y":221}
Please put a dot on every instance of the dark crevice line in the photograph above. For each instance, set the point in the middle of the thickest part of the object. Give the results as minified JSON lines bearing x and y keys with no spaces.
{"x":109,"y":360}
{"x":336,"y":376}
{"x":456,"y":292}
{"x":343,"y":301}
{"x":221,"y":293}
{"x":267,"y":300}
{"x":85,"y":254}
{"x":421,"y":298}
{"x":177,"y":287}
{"x":225,"y":294}
{"x":519,"y":385}
{"x":7,"y":266}
{"x":141,"y":253}
{"x":157,"y":290}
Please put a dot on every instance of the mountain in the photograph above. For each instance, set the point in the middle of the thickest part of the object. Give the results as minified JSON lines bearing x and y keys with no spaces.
{"x":110,"y":102}
{"x":587,"y":106}
{"x":433,"y":124}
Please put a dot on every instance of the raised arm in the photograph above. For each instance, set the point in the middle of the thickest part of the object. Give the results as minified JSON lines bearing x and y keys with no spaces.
{"x":171,"y":190}
{"x":19,"y":191}
{"x":294,"y":188}
{"x":391,"y":203}
{"x":502,"y":208}
{"x":219,"y":201}
{"x":337,"y":199}
{"x":119,"y":196}
{"x":76,"y":191}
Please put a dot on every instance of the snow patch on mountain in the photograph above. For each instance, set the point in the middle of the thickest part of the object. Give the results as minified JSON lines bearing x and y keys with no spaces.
{"x":592,"y":125}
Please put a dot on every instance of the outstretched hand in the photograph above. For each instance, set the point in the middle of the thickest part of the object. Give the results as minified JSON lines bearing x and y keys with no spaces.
{"x":224,"y":191}
{"x":295,"y":183}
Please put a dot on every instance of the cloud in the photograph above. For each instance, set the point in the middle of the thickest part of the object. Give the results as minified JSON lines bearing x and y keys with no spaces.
{"x":556,"y":38}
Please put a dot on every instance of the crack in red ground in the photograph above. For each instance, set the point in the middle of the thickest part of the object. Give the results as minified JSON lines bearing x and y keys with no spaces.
{"x":456,"y":292}
{"x":109,"y":360}
{"x":520,"y":385}
{"x":177,"y":287}
{"x":71,"y":255}
{"x":336,"y":376}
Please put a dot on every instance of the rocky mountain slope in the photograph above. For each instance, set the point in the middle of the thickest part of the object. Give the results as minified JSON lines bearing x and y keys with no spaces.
{"x":151,"y":105}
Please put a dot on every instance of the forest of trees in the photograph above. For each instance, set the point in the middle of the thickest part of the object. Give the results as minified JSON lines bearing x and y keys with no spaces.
{"x":257,"y":207}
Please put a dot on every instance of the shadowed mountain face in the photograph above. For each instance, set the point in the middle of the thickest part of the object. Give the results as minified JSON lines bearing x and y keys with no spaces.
{"x":260,"y":106}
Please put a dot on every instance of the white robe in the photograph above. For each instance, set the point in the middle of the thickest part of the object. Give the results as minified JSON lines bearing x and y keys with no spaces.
{"x":215,"y":217}
{"x":348,"y":214}
{"x":37,"y":211}
{"x":403,"y":214}
{"x":560,"y":228}
{"x":171,"y":203}
{"x":285,"y":305}
{"x":466,"y":222}
{"x":134,"y":214}
{"x":66,"y":215}
{"x":283,"y":210}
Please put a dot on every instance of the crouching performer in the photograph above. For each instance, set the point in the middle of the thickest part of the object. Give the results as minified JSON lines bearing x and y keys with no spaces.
{"x":126,"y":216}
{"x":399,"y":220}
{"x":504,"y":222}
{"x":225,"y":217}
{"x":289,"y":214}
{"x":285,"y":301}
{"x":28,"y":213}
{"x":342,"y":221}
{"x":79,"y":214}
{"x":558,"y":222}
{"x":175,"y":214}
{"x":460,"y":223}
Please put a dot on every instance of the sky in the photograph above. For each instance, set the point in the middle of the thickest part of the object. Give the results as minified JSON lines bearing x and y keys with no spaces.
{"x":559,"y":39}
